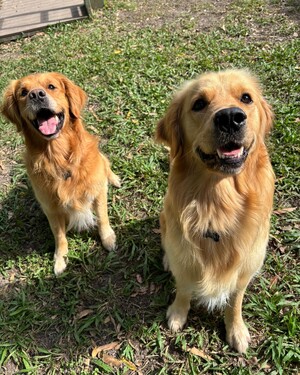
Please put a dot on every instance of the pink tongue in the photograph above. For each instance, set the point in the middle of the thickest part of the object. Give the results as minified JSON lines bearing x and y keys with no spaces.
{"x":230,"y":153}
{"x":48,"y":127}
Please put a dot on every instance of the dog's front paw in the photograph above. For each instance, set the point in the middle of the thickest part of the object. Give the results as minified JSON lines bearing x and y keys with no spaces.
{"x":109,"y":240}
{"x":60,"y":265}
{"x":238,"y":337}
{"x":176,"y":318}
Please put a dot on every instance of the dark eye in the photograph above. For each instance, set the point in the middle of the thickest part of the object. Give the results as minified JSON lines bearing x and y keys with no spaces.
{"x":246,"y":98}
{"x":199,"y":105}
{"x":24,"y":92}
{"x":51,"y":87}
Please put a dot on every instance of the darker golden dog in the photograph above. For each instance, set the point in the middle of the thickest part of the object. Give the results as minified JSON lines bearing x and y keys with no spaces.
{"x":68,"y":173}
{"x":216,"y":217}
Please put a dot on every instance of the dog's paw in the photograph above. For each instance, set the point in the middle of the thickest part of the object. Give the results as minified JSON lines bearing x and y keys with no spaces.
{"x":176,"y":318}
{"x":60,"y":265}
{"x":109,"y":241}
{"x":238,"y":337}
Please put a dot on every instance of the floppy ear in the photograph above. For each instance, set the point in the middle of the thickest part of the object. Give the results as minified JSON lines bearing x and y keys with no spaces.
{"x":76,"y":96}
{"x":168,"y":129}
{"x":9,"y":106}
{"x":268,"y":115}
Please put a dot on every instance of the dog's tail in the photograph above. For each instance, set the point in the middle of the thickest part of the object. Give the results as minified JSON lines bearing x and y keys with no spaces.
{"x":113,"y":178}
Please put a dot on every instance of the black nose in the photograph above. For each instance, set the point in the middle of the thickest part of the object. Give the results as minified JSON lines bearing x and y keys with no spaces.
{"x":230,"y":120}
{"x":37,"y":94}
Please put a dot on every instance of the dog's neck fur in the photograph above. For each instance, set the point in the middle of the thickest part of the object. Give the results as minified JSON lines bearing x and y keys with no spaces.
{"x":56,"y":157}
{"x":208,"y":196}
{"x":213,"y":206}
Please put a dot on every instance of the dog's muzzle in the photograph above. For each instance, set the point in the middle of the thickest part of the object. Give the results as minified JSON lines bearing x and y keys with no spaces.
{"x":229,"y":128}
{"x":47,"y":121}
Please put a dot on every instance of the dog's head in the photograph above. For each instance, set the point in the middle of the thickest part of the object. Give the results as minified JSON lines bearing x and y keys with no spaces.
{"x":43,"y":103}
{"x":218,"y":118}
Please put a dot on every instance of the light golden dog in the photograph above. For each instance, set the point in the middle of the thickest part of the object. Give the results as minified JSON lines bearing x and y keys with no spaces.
{"x":216,"y":217}
{"x":68,"y":173}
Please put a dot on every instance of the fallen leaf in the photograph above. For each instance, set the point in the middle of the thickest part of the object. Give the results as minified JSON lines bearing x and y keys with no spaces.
{"x":111,"y":361}
{"x":152,"y":287}
{"x":104,"y":348}
{"x":199,"y":353}
{"x":282,"y":249}
{"x":129,"y":364}
{"x":139,"y":279}
{"x":83,"y":313}
{"x":284,"y":210}
{"x":287,"y":228}
{"x":95,"y":130}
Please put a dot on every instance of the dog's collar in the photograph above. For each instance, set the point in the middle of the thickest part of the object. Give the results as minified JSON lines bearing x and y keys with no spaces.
{"x":66,"y":175}
{"x":213,"y":235}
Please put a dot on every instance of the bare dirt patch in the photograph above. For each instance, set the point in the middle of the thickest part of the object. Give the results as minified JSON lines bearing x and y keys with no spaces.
{"x":156,"y":14}
{"x":205,"y":16}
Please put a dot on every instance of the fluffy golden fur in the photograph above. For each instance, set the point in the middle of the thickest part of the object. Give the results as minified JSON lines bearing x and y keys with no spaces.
{"x":216,"y":216}
{"x":68,"y":173}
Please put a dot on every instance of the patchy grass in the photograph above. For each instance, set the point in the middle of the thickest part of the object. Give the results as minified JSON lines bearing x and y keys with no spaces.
{"x":129,"y":59}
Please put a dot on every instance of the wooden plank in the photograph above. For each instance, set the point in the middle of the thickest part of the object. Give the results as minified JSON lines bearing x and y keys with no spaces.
{"x":93,"y":5}
{"x":26,"y":16}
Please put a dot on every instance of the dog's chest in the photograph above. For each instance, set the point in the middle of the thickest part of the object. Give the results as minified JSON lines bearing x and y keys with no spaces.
{"x":213,"y":217}
{"x":64,"y":185}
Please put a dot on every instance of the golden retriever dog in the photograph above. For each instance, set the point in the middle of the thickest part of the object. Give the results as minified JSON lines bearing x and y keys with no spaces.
{"x":68,"y":174}
{"x":216,"y":216}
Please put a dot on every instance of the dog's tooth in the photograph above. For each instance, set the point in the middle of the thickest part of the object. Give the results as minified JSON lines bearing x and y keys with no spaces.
{"x":221,"y":156}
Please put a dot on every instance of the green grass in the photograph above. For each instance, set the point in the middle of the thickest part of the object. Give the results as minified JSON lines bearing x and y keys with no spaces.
{"x":129,"y":70}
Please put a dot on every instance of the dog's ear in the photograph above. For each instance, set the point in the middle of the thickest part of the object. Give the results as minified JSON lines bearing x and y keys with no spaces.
{"x":76,"y":96}
{"x":268,"y":116}
{"x":9,"y":107}
{"x":168,"y":129}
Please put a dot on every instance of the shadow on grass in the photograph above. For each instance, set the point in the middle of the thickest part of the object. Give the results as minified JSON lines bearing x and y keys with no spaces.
{"x":102,"y":297}
{"x":292,"y":9}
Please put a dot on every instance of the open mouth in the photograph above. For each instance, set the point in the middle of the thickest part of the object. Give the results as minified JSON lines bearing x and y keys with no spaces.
{"x":231,"y":153}
{"x":228,"y":158}
{"x":48,"y":123}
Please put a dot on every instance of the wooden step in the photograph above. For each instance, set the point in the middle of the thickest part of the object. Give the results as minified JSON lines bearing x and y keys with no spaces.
{"x":24,"y":17}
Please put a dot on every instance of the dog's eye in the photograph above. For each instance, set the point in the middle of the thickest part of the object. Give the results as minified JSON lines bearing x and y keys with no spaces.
{"x":246,"y":98}
{"x":24,"y":92}
{"x":51,"y":87}
{"x":199,"y":105}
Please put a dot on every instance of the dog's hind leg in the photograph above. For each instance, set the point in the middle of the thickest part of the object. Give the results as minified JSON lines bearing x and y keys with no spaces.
{"x":58,"y":226}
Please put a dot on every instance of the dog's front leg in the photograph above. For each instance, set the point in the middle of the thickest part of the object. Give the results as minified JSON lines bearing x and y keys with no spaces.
{"x":107,"y":235}
{"x":58,"y":226}
{"x":178,"y":311}
{"x":237,"y":334}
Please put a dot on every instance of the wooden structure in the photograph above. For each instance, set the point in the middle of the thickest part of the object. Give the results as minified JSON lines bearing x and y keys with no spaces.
{"x":24,"y":17}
